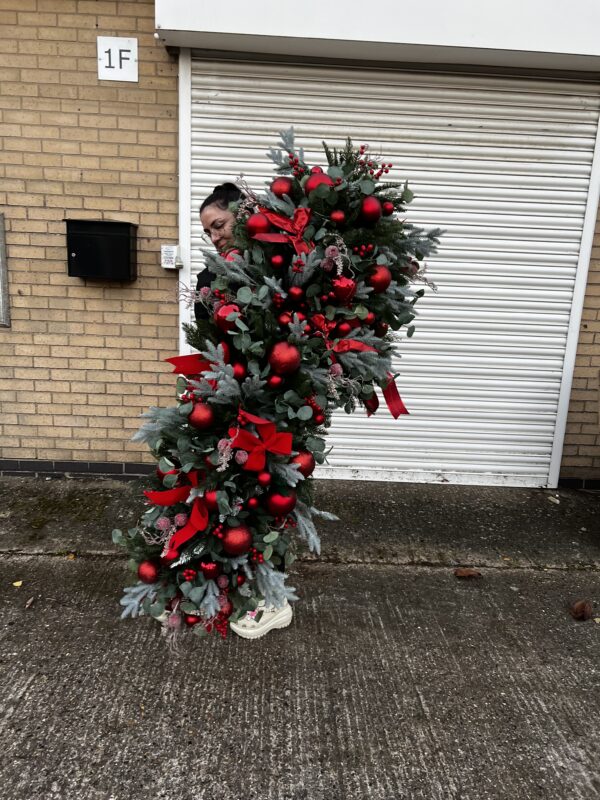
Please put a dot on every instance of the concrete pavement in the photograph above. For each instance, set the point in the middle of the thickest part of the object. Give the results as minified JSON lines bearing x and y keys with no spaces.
{"x":395,"y":680}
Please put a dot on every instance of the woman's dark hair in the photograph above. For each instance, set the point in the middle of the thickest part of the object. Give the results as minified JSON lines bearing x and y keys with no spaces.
{"x":221,"y":196}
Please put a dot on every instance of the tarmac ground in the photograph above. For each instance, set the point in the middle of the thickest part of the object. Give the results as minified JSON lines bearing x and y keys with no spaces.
{"x":396,"y":680}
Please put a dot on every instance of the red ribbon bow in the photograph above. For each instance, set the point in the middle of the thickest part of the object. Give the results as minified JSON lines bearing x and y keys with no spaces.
{"x":189,"y":365}
{"x":295,"y":228}
{"x":257,"y":447}
{"x":392,"y":398}
{"x":198,"y":520}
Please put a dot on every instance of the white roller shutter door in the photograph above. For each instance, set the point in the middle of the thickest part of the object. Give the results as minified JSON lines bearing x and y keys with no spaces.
{"x":504,"y":166}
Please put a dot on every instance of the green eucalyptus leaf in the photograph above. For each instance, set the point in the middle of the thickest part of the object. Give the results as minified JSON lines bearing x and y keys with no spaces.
{"x":271,"y":537}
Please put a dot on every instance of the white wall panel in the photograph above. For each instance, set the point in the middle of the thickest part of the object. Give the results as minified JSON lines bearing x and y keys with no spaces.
{"x":504,"y":166}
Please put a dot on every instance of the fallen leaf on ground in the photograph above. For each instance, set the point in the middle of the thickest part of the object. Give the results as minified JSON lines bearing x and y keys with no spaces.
{"x":597,"y":620}
{"x":467,"y":572}
{"x":71,"y":556}
{"x":581,"y":610}
{"x":29,"y":602}
{"x":554,"y":500}
{"x":17,"y":583}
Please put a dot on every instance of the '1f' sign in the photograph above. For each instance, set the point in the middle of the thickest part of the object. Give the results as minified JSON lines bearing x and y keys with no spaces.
{"x":117,"y":59}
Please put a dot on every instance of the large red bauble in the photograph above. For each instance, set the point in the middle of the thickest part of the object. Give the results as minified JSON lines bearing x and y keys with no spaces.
{"x":280,"y":504}
{"x":210,"y":498}
{"x":202,"y":416}
{"x":257,"y":223}
{"x":284,"y":358}
{"x":296,"y":294}
{"x":210,"y":570}
{"x":344,"y":289}
{"x":387,"y":208}
{"x":281,"y":186}
{"x":370,"y":211}
{"x":306,"y":462}
{"x":338,"y":216}
{"x":316,"y":179}
{"x":379,"y":279}
{"x":148,"y":572}
{"x":221,"y":314}
{"x":237,"y":541}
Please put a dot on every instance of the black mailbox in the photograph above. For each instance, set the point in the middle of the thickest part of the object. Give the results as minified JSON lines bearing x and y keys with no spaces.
{"x":102,"y":250}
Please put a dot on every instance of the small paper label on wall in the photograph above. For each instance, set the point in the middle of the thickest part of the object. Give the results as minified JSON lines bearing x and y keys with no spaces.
{"x":117,"y":59}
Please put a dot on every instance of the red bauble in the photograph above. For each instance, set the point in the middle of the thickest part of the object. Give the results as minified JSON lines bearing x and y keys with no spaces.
{"x":281,"y":186}
{"x":370,"y":318}
{"x":280,"y":504}
{"x":284,"y":358}
{"x":192,"y":619}
{"x":252,"y":502}
{"x":221,"y":314}
{"x":338,"y":216}
{"x":284,"y":319}
{"x":241,"y":579}
{"x":370,"y":211}
{"x":277,"y":261}
{"x":296,"y":294}
{"x":387,"y":208}
{"x":344,"y":328}
{"x":381,"y":329}
{"x":210,"y":570}
{"x":237,"y":541}
{"x":306,"y":462}
{"x":202,"y":416}
{"x":257,"y":223}
{"x":319,"y":419}
{"x":264,"y":478}
{"x":316,"y":170}
{"x":316,"y":179}
{"x":148,"y":571}
{"x":379,"y":279}
{"x":239,"y":371}
{"x":210,"y":498}
{"x":344,"y":289}
{"x":274,"y":381}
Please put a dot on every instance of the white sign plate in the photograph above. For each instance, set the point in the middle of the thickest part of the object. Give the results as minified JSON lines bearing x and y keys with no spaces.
{"x":117,"y":59}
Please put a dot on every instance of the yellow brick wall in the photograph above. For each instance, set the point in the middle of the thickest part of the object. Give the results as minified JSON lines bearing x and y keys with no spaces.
{"x":581,"y":452}
{"x":82,"y":359}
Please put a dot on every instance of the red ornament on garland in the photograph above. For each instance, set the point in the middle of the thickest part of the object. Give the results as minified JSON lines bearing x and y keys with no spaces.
{"x":284,"y":319}
{"x":281,"y":186}
{"x":277,"y":261}
{"x":257,"y":223}
{"x":296,"y":294}
{"x":316,"y":179}
{"x":274,"y":381}
{"x":280,"y":504}
{"x":306,"y":462}
{"x":338,"y":216}
{"x":370,"y":318}
{"x":344,"y":289}
{"x":192,"y":619}
{"x":210,"y":498}
{"x":316,"y":170}
{"x":239,"y":371}
{"x":387,"y":208}
{"x":344,"y":328}
{"x":370,"y":211}
{"x":220,"y":317}
{"x":264,"y":478}
{"x":210,"y":570}
{"x":379,"y":279}
{"x":284,"y":358}
{"x":202,"y":416}
{"x":381,"y":329}
{"x":148,"y":571}
{"x":237,"y":541}
{"x":252,"y":502}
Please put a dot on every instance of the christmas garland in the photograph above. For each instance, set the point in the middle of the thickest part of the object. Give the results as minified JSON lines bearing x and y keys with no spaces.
{"x":301,"y":320}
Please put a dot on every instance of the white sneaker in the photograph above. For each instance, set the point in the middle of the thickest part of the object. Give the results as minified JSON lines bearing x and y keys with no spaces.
{"x":272,"y":617}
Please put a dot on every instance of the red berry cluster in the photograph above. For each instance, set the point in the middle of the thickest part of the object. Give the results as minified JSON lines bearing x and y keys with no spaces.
{"x":298,"y":169}
{"x":189,"y":574}
{"x":298,"y":265}
{"x":278,"y":300}
{"x":318,"y":415}
{"x":256,"y":557}
{"x":218,"y":531}
{"x":363,"y":249}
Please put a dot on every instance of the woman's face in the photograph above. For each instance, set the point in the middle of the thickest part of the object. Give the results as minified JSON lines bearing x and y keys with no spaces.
{"x":218,"y":224}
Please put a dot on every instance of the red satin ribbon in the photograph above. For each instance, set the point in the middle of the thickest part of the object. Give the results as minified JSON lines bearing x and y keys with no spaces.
{"x":392,"y":398}
{"x":295,"y":228}
{"x":268,"y":440}
{"x":189,"y":365}
{"x":198,"y":520}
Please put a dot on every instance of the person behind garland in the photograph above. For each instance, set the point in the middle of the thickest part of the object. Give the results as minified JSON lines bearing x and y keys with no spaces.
{"x":218,"y":222}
